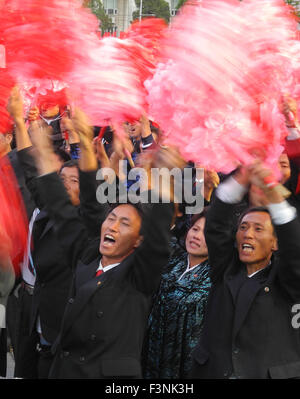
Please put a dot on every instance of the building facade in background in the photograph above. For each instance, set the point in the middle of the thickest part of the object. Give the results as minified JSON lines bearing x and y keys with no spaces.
{"x":120,"y":11}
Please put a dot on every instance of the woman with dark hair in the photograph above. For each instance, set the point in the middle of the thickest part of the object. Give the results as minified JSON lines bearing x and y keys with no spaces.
{"x":176,"y":318}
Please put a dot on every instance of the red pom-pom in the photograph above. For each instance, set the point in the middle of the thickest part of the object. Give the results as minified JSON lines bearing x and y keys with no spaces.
{"x":13,"y":219}
{"x":6,"y":85}
{"x":44,"y":39}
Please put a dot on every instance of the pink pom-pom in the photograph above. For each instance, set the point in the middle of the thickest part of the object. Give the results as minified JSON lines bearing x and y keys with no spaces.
{"x":224,"y":69}
{"x":108,"y":86}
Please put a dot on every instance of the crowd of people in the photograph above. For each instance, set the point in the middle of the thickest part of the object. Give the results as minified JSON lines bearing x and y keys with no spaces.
{"x":126,"y":290}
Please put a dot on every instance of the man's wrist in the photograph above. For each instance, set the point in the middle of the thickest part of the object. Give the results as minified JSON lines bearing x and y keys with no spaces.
{"x":275,"y":193}
{"x":282,"y":212}
{"x":19,"y":121}
{"x":231,"y":191}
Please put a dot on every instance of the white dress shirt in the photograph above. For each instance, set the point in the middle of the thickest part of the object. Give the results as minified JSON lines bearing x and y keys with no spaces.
{"x":232,"y":192}
{"x":106,"y":268}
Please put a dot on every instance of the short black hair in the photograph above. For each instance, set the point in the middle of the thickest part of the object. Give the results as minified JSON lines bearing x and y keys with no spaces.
{"x":69,"y":164}
{"x":63,"y":155}
{"x":198,"y":216}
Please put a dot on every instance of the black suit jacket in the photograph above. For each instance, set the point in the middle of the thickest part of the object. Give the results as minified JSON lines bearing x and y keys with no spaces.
{"x":106,"y":316}
{"x":248,"y":330}
{"x":53,"y":276}
{"x":19,"y":172}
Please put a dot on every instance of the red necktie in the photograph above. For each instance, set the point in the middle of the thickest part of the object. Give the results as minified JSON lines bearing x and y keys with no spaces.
{"x":99,"y":272}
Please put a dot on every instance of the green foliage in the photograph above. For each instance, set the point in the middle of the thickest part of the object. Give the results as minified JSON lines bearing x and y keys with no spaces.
{"x":181,"y":3}
{"x":97,"y":8}
{"x":296,"y":5}
{"x":157,"y":8}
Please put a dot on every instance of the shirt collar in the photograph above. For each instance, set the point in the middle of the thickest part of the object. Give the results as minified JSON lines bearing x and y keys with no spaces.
{"x":260,"y":270}
{"x":108,"y":267}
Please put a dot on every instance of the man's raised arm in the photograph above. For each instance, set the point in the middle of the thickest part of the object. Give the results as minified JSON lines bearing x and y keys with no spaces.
{"x":218,"y":227}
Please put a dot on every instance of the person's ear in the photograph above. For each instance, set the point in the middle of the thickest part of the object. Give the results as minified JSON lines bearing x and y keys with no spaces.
{"x":275,"y":245}
{"x":138,"y":241}
{"x":9,"y":138}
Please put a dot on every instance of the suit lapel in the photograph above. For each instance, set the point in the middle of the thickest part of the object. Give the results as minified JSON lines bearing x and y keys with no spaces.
{"x":243,"y":291}
{"x":246,"y":295}
{"x":42,"y":225}
{"x":43,"y":214}
{"x":85,"y":272}
{"x":48,"y":226}
{"x":86,"y":285}
{"x":235,"y":281}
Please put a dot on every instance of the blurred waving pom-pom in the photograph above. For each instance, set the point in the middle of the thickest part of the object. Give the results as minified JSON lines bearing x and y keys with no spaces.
{"x":13,"y":219}
{"x":6,"y":85}
{"x":217,"y":96}
{"x":148,"y":33}
{"x":110,"y":85}
{"x":44,"y":39}
{"x":50,"y":99}
{"x":44,"y":94}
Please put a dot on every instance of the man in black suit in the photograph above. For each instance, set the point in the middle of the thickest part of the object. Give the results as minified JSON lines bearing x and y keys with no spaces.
{"x":248,"y":330}
{"x":105,"y":319}
{"x":46,"y":280}
{"x":7,"y":280}
{"x":7,"y":153}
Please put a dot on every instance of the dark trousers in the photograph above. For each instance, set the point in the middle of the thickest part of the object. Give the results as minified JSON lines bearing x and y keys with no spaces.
{"x":45,"y":361}
{"x":3,"y":352}
{"x":24,"y":344}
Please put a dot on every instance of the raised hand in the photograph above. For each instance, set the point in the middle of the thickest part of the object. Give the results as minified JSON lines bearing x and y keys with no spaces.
{"x":15,"y":105}
{"x":83,"y":128}
{"x":33,"y":114}
{"x":44,"y":154}
{"x":164,"y":158}
{"x":262,"y":177}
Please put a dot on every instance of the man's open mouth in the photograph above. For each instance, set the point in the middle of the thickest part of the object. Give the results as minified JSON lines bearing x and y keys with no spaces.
{"x":247,"y":248}
{"x":108,"y":239}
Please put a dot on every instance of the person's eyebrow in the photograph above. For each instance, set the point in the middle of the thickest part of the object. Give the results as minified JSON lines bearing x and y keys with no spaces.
{"x":259,"y":224}
{"x":255,"y":223}
{"x":125,"y":219}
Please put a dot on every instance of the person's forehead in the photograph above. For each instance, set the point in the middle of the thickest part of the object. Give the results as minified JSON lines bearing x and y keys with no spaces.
{"x":126,"y":210}
{"x":257,"y":218}
{"x":200,"y":222}
{"x":69,"y":171}
{"x":283,"y":159}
